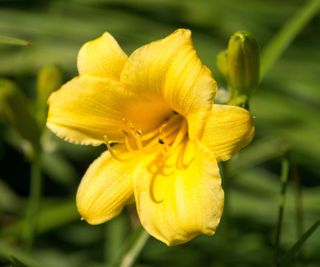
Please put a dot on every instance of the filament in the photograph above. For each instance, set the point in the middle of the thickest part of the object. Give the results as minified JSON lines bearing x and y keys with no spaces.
{"x":169,"y":135}
{"x":127,"y":142}
{"x":181,"y":134}
{"x":183,"y":130}
{"x":172,"y":121}
{"x":180,"y":164}
{"x":112,"y":152}
{"x":152,"y":188}
{"x":139,"y":142}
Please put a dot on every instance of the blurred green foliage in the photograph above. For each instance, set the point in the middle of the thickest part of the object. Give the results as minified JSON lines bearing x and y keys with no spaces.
{"x":286,"y":107}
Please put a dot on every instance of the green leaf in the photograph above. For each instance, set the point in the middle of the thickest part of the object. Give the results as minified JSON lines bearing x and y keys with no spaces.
{"x":16,"y":263}
{"x":17,"y":257}
{"x":285,"y":36}
{"x":12,"y":41}
{"x":50,"y":217}
{"x":298,"y":245}
{"x":15,"y":111}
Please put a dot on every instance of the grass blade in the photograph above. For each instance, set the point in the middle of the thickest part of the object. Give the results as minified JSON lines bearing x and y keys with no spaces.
{"x":17,"y":257}
{"x":297,"y":246}
{"x":17,"y":263}
{"x":285,"y":165}
{"x":284,"y":37}
{"x":12,"y":41}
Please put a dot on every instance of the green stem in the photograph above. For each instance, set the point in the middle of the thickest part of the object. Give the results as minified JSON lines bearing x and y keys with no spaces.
{"x":115,"y":231}
{"x":34,"y":201}
{"x":133,"y":251}
{"x":298,"y":206}
{"x":226,"y":210}
{"x":298,"y":201}
{"x":285,"y":165}
{"x":285,"y":36}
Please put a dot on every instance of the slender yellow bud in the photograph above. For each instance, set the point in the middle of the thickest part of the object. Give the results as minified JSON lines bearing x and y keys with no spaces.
{"x":49,"y":79}
{"x":15,"y":111}
{"x":243,"y":63}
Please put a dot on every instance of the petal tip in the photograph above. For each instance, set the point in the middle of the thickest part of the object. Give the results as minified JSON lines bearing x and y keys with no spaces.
{"x":183,"y":31}
{"x":101,"y":57}
{"x":184,"y":34}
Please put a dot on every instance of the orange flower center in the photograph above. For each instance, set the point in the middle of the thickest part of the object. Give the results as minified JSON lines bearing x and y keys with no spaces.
{"x":165,"y":138}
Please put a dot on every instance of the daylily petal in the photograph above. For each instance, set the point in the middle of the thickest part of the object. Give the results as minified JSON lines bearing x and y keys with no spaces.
{"x":105,"y":188}
{"x":175,"y":205}
{"x":87,"y":109}
{"x":171,"y":70}
{"x":101,"y":57}
{"x":228,"y":129}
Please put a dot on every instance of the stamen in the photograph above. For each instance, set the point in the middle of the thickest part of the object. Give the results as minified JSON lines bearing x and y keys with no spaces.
{"x":158,"y":166}
{"x":180,"y":163}
{"x":157,"y":169}
{"x":180,"y":135}
{"x":162,"y":139}
{"x":152,"y":187}
{"x":137,"y":135}
{"x":146,"y":149}
{"x":172,"y":121}
{"x":112,"y":153}
{"x":127,"y":142}
{"x":139,"y":138}
{"x":173,"y":130}
{"x":139,"y":142}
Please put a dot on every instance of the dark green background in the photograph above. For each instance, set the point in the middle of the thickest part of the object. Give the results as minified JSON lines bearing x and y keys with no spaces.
{"x":286,"y":107}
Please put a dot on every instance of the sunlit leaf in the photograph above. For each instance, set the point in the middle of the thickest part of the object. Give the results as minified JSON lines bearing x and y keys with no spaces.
{"x":12,"y":41}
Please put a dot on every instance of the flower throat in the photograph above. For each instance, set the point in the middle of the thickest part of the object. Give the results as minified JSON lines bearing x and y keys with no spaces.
{"x":165,"y":138}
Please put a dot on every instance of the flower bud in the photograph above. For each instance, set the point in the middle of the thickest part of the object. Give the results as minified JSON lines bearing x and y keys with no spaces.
{"x":222,"y":63}
{"x":49,"y":79}
{"x":243,"y":63}
{"x":15,"y":111}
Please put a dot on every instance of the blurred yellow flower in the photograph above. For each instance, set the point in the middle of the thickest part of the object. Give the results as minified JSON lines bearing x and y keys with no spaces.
{"x":164,"y":135}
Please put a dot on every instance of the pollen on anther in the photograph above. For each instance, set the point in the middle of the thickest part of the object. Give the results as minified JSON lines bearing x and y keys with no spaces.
{"x":161,"y":141}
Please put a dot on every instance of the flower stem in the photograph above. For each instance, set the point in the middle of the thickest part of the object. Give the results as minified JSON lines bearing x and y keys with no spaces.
{"x":34,"y":201}
{"x":115,"y":234}
{"x":298,"y":207}
{"x":285,"y":164}
{"x":298,"y":201}
{"x":134,"y":249}
{"x":226,"y":210}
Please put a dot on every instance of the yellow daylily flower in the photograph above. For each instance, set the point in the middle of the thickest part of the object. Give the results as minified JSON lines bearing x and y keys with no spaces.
{"x":154,"y":111}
